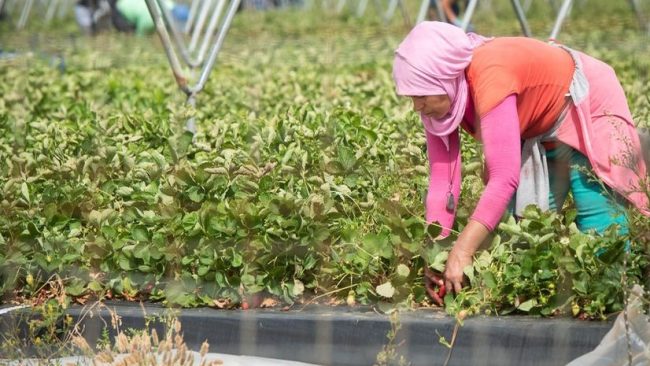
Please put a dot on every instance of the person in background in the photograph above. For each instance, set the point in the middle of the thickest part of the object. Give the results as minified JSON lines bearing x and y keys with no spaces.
{"x":3,"y":16}
{"x":451,"y":8}
{"x":133,"y":15}
{"x":120,"y":23}
{"x":87,"y":14}
{"x":279,"y":3}
{"x":259,"y":4}
{"x":269,"y":4}
{"x":545,"y":115}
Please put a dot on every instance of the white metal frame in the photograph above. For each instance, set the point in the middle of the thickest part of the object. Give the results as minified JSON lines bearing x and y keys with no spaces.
{"x":385,"y":10}
{"x":165,"y":24}
{"x":50,"y":8}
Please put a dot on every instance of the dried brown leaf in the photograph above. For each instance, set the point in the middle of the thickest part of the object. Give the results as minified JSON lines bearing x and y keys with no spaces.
{"x":269,"y":302}
{"x":221,"y":303}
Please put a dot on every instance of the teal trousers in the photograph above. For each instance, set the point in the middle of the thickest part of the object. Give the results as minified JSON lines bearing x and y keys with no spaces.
{"x":598,"y":206}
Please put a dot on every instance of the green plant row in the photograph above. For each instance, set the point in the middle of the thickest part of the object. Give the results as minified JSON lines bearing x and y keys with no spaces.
{"x":306,"y":178}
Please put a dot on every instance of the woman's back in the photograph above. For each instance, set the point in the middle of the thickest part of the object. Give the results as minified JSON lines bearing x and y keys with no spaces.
{"x":537,"y":72}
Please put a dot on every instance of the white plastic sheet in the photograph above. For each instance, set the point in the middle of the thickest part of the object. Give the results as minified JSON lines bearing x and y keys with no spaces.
{"x":226,"y":360}
{"x":613,"y":349}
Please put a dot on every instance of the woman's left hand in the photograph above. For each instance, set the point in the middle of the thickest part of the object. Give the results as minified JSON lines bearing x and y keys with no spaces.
{"x":457,"y":260}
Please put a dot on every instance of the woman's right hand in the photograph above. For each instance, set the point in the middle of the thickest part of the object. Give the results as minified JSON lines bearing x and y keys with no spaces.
{"x":434,"y":284}
{"x":454,"y":275}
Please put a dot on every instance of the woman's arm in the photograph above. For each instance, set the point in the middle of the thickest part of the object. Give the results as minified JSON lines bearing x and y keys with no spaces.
{"x":443,"y":165}
{"x":502,"y":148}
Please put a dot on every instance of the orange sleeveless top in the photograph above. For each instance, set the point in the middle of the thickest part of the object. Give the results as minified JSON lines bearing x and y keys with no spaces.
{"x":538,"y":73}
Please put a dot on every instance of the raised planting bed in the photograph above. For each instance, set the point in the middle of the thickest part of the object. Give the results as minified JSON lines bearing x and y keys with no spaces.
{"x":355,"y":336}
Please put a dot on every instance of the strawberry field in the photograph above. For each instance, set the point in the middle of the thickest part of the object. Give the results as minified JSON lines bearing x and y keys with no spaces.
{"x":305,"y":181}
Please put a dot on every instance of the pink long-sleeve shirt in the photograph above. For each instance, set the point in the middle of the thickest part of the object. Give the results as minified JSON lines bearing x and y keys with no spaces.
{"x":501,"y":138}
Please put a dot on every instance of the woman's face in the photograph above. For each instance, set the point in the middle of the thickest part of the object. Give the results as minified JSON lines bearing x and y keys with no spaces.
{"x":436,"y":106}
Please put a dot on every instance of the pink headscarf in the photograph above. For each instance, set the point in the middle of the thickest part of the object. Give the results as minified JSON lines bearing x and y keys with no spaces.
{"x":431,"y":61}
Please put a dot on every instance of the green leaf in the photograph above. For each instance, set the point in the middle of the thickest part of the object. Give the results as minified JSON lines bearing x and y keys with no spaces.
{"x":190,"y":220}
{"x":109,"y":232}
{"x":24,"y":190}
{"x":203,"y":270}
{"x":346,"y":158}
{"x":195,"y":195}
{"x":124,"y":191}
{"x":439,"y":261}
{"x":378,"y":244}
{"x":527,"y":305}
{"x":403,"y":271}
{"x":580,"y":286}
{"x":512,"y":229}
{"x":95,"y":286}
{"x":236,"y":260}
{"x":140,"y":233}
{"x":124,"y":263}
{"x":75,"y":229}
{"x":220,"y":279}
{"x":433,"y":230}
{"x":298,"y":287}
{"x":386,"y":307}
{"x":386,"y":290}
{"x":75,"y":288}
{"x":570,"y":216}
{"x":489,"y":280}
{"x":142,"y":251}
{"x":248,"y":280}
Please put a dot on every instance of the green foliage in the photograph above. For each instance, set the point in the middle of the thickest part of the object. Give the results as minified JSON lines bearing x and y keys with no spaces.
{"x":544,"y":265}
{"x":307,"y":175}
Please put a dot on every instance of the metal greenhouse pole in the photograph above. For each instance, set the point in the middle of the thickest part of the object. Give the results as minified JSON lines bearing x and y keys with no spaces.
{"x":561,"y":16}
{"x":10,"y":5}
{"x":212,"y":26}
{"x":361,"y":8}
{"x":178,"y":40}
{"x":422,"y":11}
{"x":51,"y":9}
{"x":469,"y":13}
{"x":194,"y":8}
{"x":566,"y":8}
{"x":392,"y":7}
{"x":63,"y":10}
{"x":24,"y":15}
{"x":340,"y":5}
{"x":198,"y":28}
{"x":638,"y":11}
{"x":326,"y":4}
{"x":363,"y":5}
{"x":390,"y":12}
{"x":424,"y":7}
{"x":188,"y":56}
{"x":521,"y":16}
{"x":405,"y":14}
{"x":190,"y":91}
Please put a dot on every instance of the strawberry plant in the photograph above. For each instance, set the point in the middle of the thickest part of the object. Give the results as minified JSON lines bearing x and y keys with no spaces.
{"x":306,"y":176}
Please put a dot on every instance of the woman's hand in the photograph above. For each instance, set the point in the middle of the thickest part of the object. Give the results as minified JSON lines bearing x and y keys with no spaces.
{"x":434,"y":285}
{"x":461,"y":254}
{"x":457,"y":260}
